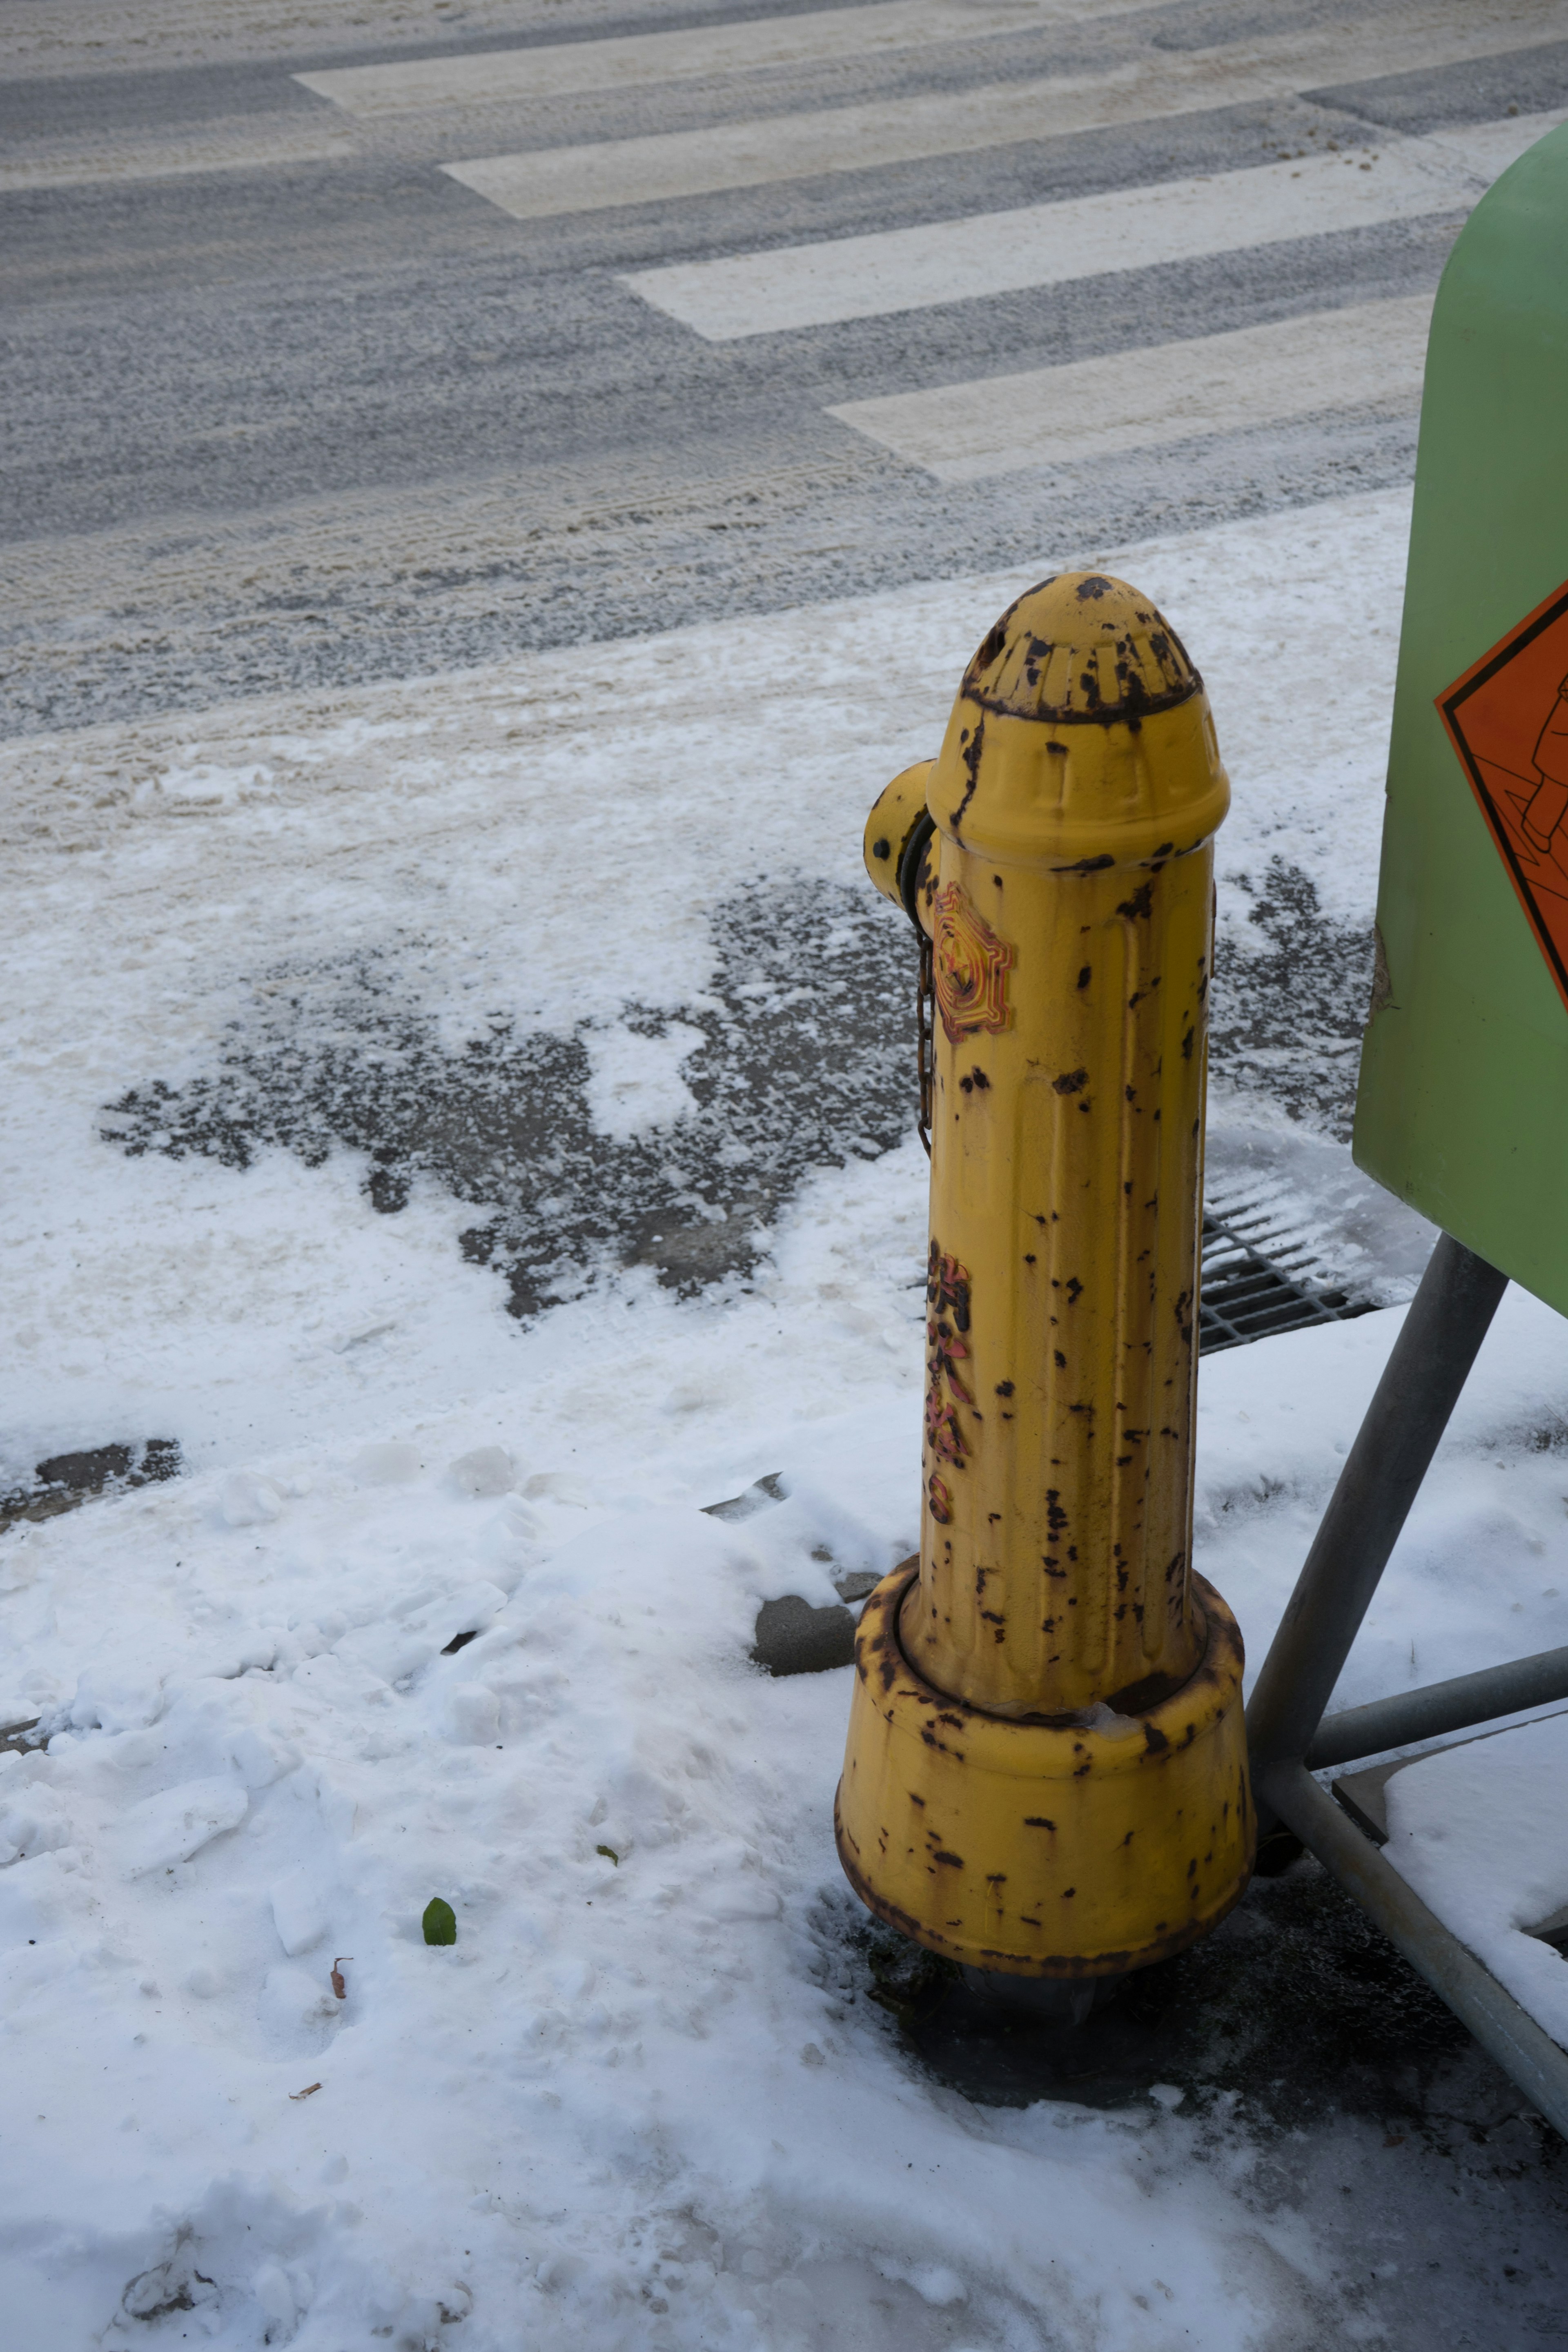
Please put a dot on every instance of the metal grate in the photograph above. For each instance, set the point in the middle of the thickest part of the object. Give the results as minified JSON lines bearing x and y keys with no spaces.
{"x":1257,"y":1279}
{"x":1258,"y":1276}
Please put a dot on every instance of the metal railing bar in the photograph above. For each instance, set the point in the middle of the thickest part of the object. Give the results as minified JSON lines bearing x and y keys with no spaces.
{"x":1438,"y":1341}
{"x":1410,"y":1716}
{"x":1504,"y":2030}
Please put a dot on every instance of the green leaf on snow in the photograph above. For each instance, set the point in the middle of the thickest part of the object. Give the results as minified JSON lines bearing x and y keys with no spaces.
{"x":440,"y":1922}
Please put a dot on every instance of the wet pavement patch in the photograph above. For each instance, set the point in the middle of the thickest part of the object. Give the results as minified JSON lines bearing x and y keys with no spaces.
{"x":1296,"y":2009}
{"x":805,"y":1060}
{"x":1300,"y":2060}
{"x":1289,"y":1007}
{"x":794,"y":1637}
{"x":67,"y":1479}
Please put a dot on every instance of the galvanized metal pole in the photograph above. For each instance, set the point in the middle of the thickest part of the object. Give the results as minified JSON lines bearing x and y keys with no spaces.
{"x":1502,"y":2028}
{"x":1441,"y":1336}
{"x":1409,"y":1718}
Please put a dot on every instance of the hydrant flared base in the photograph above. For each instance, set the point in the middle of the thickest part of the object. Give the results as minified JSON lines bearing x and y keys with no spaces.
{"x":1045,"y":1848}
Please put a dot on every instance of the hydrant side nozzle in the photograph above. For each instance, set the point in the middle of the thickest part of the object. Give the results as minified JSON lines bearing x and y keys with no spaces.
{"x":896,"y":833}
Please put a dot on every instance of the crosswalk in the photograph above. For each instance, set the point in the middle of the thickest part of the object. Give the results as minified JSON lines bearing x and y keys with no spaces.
{"x":1364,"y":355}
{"x":1051,"y":245}
{"x":1352,"y":356}
{"x":663,"y":168}
{"x":1367,"y":354}
{"x":634,"y":60}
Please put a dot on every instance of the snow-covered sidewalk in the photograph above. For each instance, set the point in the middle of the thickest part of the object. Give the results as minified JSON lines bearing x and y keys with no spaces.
{"x":541,"y":843}
{"x":646,"y":2099}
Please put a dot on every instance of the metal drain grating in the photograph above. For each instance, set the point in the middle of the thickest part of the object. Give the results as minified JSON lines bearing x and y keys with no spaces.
{"x":1256,"y":1279}
{"x":1259,"y":1275}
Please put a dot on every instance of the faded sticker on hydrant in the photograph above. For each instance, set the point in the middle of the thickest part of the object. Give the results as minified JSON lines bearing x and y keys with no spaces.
{"x":971,"y":968}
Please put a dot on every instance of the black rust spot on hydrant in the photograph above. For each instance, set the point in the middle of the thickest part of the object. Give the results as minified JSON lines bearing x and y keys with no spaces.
{"x":971,"y":755}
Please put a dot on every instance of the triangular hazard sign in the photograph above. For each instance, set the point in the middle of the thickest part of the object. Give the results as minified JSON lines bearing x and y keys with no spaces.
{"x":1508,"y":720}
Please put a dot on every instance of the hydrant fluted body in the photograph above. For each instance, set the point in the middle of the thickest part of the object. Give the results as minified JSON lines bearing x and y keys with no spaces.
{"x":1046,"y":1770}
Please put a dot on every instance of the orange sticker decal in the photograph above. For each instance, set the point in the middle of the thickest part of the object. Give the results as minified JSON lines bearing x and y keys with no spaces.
{"x":971,"y":970}
{"x":1508,"y":720}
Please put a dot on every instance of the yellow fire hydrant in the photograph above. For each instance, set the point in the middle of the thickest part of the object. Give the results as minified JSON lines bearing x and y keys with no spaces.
{"x":1045,"y":1773}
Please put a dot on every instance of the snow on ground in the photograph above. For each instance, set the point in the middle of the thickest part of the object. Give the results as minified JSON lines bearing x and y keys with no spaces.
{"x":644,"y":2100}
{"x":541,"y":842}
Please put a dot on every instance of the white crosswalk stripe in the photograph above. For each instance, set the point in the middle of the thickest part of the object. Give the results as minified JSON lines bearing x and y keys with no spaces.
{"x":816,"y":35}
{"x":662,"y":167}
{"x":1051,"y":245}
{"x":1368,"y":354}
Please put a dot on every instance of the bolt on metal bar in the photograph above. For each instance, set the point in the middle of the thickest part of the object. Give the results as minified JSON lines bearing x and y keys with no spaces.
{"x":1448,"y":1320}
{"x":1411,"y":1716}
{"x":1508,"y":2032}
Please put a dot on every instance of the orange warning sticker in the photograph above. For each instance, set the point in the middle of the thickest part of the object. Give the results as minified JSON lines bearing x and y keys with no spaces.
{"x":1507,"y":721}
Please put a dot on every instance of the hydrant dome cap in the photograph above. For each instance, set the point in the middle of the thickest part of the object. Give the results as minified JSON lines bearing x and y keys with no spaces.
{"x":1081,"y":649}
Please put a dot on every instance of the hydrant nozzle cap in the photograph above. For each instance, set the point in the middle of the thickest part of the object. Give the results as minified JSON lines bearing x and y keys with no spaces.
{"x":1081,"y":649}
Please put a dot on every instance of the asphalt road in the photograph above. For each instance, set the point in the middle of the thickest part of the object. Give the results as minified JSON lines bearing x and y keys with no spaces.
{"x":289,"y":403}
